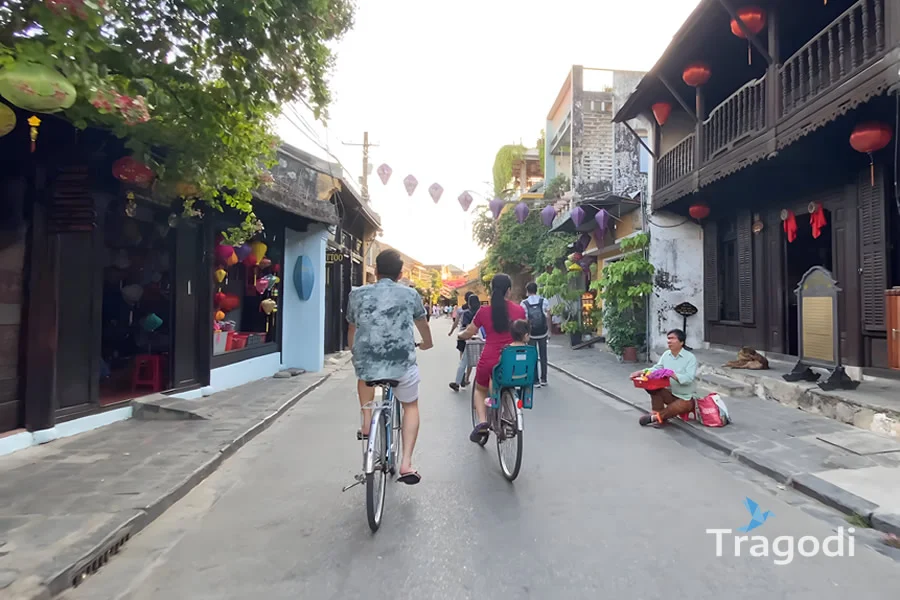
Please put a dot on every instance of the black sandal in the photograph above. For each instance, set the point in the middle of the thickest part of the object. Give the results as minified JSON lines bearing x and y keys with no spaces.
{"x":360,"y":436}
{"x":480,"y":434}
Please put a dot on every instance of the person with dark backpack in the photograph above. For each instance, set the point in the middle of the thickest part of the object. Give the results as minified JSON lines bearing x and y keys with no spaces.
{"x":537,"y":310}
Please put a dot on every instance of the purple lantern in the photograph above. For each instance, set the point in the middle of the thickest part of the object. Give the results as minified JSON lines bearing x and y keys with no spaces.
{"x":242,"y":251}
{"x":435,"y":191}
{"x":578,"y":216}
{"x":602,"y":218}
{"x":547,"y":215}
{"x":496,"y":206}
{"x":384,"y":173}
{"x":521,"y":212}
{"x":410,"y":184}
{"x":465,"y":200}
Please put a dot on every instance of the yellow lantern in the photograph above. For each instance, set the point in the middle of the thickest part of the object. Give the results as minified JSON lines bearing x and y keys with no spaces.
{"x":220,"y":275}
{"x":259,"y":250}
{"x":7,"y":119}
{"x":34,"y":122}
{"x":268,"y":306}
{"x":232,"y":260}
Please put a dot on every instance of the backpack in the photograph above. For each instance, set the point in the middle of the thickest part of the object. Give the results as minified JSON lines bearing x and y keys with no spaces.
{"x":712,"y":412}
{"x":536,"y":316}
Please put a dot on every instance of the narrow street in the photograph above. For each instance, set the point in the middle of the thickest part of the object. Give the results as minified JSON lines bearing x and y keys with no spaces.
{"x":602,"y":508}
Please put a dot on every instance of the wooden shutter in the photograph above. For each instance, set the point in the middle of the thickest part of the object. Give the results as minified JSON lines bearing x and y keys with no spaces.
{"x":711,"y":271}
{"x":745,"y":266}
{"x":873,"y":249}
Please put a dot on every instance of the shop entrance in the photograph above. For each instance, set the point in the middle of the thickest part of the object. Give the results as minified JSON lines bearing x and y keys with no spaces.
{"x":801,"y":255}
{"x":138,"y":301}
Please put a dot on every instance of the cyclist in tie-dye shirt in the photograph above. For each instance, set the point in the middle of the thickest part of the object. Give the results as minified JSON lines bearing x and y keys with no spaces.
{"x":381,"y":318}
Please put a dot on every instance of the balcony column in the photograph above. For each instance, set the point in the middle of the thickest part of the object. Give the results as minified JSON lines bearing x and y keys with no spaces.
{"x":698,"y":139}
{"x":891,"y":24}
{"x":773,"y":75}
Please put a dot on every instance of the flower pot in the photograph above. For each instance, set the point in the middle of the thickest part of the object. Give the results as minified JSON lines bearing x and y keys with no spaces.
{"x":575,"y":338}
{"x":629,"y":354}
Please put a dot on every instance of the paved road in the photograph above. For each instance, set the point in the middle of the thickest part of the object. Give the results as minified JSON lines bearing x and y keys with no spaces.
{"x":602,"y":509}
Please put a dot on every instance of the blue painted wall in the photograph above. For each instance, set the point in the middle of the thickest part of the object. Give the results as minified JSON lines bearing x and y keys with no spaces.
{"x":303,"y":322}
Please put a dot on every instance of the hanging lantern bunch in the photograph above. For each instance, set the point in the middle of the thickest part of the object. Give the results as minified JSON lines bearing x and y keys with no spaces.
{"x":870,"y":138}
{"x":129,"y":170}
{"x":754,"y":19}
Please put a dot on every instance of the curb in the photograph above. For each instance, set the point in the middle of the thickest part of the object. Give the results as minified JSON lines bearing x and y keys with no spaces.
{"x":805,"y":483}
{"x":100,"y":554}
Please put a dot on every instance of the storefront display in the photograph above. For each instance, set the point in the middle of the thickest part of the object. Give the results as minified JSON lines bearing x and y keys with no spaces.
{"x":246,"y":294}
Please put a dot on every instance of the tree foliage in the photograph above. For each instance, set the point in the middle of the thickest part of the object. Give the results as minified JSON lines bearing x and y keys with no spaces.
{"x":206,"y":78}
{"x":506,"y":157}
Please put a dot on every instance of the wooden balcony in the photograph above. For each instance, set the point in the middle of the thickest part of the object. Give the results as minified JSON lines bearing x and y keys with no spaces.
{"x":845,"y":64}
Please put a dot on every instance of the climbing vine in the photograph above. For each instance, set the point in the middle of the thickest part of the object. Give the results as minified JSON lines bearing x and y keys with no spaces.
{"x":506,"y":157}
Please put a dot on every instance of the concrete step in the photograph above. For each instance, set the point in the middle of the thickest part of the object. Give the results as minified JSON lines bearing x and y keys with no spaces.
{"x":725,"y":385}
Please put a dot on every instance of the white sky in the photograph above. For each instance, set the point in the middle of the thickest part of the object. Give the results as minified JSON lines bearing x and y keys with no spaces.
{"x":441,"y":86}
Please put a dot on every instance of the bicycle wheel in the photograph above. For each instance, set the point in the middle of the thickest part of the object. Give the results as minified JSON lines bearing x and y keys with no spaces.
{"x":509,"y":436}
{"x":475,"y":417}
{"x":376,"y":481}
{"x":396,"y":437}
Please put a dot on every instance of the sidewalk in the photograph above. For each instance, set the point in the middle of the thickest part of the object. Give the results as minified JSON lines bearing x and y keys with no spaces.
{"x":852,"y":470}
{"x":68,"y":505}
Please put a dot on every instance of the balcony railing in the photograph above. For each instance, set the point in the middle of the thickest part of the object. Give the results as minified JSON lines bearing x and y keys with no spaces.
{"x":742,"y":114}
{"x":676,"y":163}
{"x":844,"y":47}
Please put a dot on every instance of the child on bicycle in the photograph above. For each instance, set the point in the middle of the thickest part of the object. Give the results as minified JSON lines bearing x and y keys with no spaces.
{"x":520,"y":331}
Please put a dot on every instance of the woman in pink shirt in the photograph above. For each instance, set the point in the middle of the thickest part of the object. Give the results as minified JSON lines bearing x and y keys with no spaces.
{"x":496,"y":320}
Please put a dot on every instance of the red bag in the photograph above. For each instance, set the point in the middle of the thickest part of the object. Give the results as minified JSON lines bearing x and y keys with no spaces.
{"x":711,"y":411}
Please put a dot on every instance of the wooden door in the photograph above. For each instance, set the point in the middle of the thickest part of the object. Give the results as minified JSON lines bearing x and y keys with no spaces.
{"x":190,"y":277}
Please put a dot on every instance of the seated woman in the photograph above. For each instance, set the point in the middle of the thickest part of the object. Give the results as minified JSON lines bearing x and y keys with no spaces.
{"x":496,"y":320}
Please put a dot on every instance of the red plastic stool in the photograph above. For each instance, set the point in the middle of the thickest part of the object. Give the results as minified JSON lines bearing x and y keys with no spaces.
{"x":147,"y":372}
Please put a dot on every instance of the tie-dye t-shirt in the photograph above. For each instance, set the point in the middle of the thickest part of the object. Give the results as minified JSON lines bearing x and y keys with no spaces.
{"x":383,"y":314}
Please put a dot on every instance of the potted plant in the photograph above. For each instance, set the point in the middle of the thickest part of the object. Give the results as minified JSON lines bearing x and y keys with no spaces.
{"x":560,"y":284}
{"x":576,"y":331}
{"x":624,"y":286}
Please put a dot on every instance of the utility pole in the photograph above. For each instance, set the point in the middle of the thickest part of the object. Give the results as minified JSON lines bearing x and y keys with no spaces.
{"x":364,"y":180}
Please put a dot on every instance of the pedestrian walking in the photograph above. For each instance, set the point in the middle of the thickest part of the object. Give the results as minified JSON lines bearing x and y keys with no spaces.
{"x":537,"y":308}
{"x":465,"y":316}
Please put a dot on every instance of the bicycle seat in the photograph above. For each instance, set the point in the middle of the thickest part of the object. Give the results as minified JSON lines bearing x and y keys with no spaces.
{"x":383,"y":383}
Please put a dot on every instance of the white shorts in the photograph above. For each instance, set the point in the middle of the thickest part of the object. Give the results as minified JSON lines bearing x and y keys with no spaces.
{"x":407,"y":389}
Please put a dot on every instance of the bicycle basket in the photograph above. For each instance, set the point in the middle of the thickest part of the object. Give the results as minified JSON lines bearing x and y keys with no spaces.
{"x":474,"y":348}
{"x":517,"y":367}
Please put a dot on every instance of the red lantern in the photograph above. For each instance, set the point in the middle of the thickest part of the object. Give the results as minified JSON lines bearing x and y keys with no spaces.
{"x":662,"y":110}
{"x":696,"y":74}
{"x":218,"y":299}
{"x":129,"y":170}
{"x":699,"y":211}
{"x":754,"y":19}
{"x":871,"y":137}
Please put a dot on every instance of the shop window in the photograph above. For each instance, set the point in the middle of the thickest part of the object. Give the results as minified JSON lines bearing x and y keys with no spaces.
{"x":248,"y":287}
{"x":729,"y":291}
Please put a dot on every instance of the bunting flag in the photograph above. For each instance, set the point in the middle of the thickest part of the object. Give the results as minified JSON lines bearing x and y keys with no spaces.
{"x":435,"y":191}
{"x":384,"y":173}
{"x":410,"y":184}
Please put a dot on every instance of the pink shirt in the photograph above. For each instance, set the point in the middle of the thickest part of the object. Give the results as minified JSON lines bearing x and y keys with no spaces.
{"x":496,"y":342}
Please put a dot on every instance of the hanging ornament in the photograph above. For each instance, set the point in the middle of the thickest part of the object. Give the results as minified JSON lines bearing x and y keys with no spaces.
{"x":496,"y":205}
{"x":817,"y":218}
{"x":548,"y":214}
{"x":232,"y":259}
{"x":242,"y":251}
{"x":435,"y":191}
{"x":220,"y":275}
{"x":754,"y":19}
{"x":130,"y":205}
{"x":224,"y":253}
{"x":696,"y":74}
{"x":262,"y":285}
{"x":265,"y":263}
{"x":130,"y":170}
{"x":465,"y":200}
{"x":231,"y":302}
{"x":662,"y":110}
{"x":410,"y":184}
{"x":384,"y":173}
{"x":578,"y":216}
{"x":218,"y":298}
{"x":36,"y":88}
{"x":521,"y":211}
{"x":869,"y":138}
{"x":789,"y":224}
{"x":249,"y":261}
{"x":699,"y":211}
{"x":276,"y":268}
{"x":602,"y":219}
{"x":220,"y":316}
{"x":268,"y":306}
{"x":7,"y":119}
{"x":259,"y":251}
{"x":34,"y":122}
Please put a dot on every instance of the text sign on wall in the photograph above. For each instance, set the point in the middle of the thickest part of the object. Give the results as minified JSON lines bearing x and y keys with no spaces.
{"x":817,"y":302}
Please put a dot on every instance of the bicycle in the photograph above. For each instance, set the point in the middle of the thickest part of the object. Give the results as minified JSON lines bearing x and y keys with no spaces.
{"x":381,"y":451}
{"x":512,"y":390}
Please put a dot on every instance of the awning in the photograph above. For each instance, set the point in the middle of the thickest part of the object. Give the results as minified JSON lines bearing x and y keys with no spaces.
{"x":615,"y":205}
